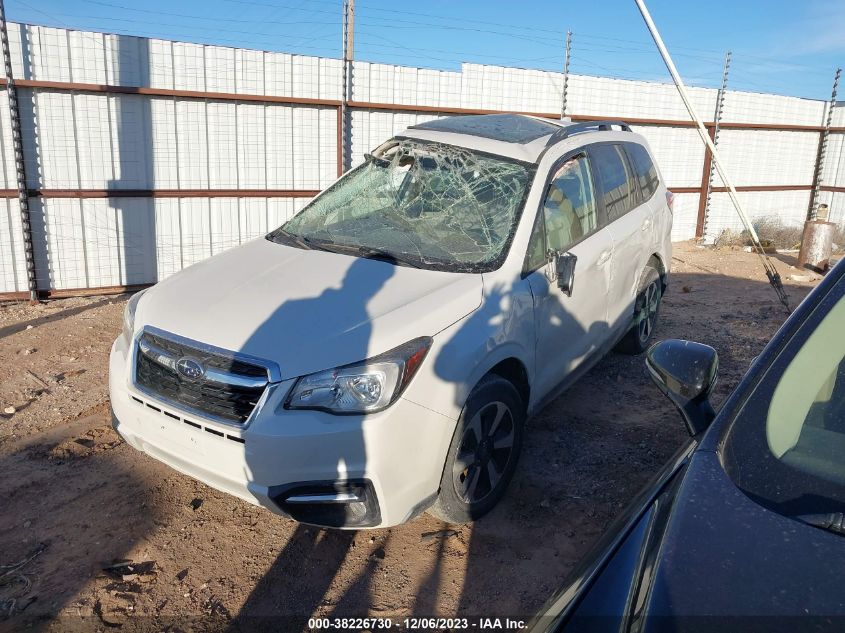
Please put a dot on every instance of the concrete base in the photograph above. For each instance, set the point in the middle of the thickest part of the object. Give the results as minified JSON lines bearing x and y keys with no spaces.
{"x":816,"y":245}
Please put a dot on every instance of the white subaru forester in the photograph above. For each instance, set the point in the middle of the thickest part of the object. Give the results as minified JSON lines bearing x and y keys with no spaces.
{"x":379,"y":353}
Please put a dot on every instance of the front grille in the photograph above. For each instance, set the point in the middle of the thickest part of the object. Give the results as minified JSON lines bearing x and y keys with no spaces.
{"x":232,"y":394}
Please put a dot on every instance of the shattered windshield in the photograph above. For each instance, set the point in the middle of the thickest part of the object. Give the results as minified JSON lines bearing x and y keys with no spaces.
{"x":421,"y":204}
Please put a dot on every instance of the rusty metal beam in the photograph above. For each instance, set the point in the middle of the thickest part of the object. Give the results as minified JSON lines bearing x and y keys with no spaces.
{"x":164,"y":193}
{"x":168,"y":92}
{"x":301,"y":193}
{"x":65,"y":293}
{"x":371,"y":105}
{"x":706,"y":171}
{"x":339,"y":141}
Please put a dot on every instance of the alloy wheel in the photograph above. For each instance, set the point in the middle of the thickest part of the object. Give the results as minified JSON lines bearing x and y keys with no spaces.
{"x":648,"y":313}
{"x":485,"y":452}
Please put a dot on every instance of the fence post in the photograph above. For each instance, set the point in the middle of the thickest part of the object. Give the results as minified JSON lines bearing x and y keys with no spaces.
{"x":818,"y":174}
{"x":348,"y":53}
{"x":704,"y":196}
{"x":23,"y":193}
{"x":566,"y":58}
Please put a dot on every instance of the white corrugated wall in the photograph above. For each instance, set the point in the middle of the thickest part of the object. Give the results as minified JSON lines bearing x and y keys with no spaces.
{"x":99,"y":141}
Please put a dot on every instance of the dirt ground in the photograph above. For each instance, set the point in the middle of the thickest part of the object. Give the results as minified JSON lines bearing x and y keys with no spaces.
{"x":76,"y":499}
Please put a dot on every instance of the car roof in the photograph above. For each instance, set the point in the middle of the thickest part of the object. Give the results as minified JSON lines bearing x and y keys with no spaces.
{"x":518,"y":136}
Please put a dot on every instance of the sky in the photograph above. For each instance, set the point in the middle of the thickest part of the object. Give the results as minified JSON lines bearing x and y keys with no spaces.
{"x":790,"y":48}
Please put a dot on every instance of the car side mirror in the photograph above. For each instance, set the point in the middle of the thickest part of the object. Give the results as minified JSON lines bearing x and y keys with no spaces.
{"x":686,"y":373}
{"x":564,"y":267}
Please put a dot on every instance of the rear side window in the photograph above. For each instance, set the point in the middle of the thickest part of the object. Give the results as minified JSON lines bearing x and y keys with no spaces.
{"x":644,"y":170}
{"x":617,"y":189}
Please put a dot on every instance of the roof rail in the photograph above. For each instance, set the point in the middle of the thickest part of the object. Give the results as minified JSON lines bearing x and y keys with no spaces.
{"x":586,"y":126}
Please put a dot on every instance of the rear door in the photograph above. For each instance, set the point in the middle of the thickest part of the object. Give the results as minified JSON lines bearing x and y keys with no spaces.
{"x":648,"y":179}
{"x":568,"y":328}
{"x":630,"y":227}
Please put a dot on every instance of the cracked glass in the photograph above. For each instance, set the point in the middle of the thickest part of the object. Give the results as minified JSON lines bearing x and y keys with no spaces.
{"x":421,"y":204}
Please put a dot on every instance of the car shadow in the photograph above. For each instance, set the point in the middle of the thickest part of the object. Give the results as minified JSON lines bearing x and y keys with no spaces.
{"x":586,"y":456}
{"x":292,"y":590}
{"x":583,"y":458}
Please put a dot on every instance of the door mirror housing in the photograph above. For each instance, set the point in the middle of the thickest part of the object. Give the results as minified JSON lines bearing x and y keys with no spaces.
{"x":686,"y":373}
{"x":564,"y":269}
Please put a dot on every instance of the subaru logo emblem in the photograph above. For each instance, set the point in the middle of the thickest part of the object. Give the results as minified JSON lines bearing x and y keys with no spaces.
{"x":190,"y":368}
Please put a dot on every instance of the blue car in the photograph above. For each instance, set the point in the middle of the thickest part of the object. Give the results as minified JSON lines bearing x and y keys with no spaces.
{"x":744,"y":529}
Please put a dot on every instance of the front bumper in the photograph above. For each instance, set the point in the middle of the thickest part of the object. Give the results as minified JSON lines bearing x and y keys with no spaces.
{"x":392,"y":460}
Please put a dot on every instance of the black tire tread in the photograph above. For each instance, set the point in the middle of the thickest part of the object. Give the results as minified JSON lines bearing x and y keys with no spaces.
{"x":630,"y":343}
{"x":448,"y":507}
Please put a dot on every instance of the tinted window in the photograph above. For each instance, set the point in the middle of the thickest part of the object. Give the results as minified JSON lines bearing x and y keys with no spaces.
{"x":618,"y":193}
{"x":569,"y":211}
{"x":786,"y":446}
{"x":537,"y":245}
{"x":644,"y":170}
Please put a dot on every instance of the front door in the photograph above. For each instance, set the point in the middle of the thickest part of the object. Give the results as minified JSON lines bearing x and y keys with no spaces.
{"x":630,"y":225}
{"x":568,"y":328}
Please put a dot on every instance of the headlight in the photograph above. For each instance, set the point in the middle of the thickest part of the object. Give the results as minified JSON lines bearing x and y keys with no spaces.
{"x":364,"y":387}
{"x":129,"y":315}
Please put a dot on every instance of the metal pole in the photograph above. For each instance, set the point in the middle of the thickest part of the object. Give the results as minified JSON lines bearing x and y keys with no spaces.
{"x":771,"y":271}
{"x":717,"y":119}
{"x":819,"y":172}
{"x":23,"y":193}
{"x":566,"y":58}
{"x":348,"y":51}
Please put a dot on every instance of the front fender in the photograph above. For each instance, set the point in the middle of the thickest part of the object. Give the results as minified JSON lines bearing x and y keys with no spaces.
{"x":501,"y":328}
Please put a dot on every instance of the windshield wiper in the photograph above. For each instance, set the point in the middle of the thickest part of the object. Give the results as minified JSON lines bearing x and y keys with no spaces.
{"x":301,"y":242}
{"x":367,"y":252}
{"x":831,"y":521}
{"x":377,"y":253}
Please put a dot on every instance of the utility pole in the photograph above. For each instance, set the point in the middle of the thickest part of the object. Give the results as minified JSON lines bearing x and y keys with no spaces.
{"x":23,"y":193}
{"x":717,"y":119}
{"x":566,"y":59}
{"x":346,"y":97}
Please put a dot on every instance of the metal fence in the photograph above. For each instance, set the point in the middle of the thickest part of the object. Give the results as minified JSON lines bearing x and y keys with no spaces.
{"x":144,"y":156}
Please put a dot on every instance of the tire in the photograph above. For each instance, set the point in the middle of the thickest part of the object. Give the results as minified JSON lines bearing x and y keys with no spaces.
{"x":495,"y":409}
{"x":646,"y":312}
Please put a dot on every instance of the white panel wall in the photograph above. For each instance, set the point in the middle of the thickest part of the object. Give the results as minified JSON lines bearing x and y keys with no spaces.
{"x":788,"y":206}
{"x":767,"y":157}
{"x":124,"y":141}
{"x":126,"y":241}
{"x":12,"y":262}
{"x":678,"y":151}
{"x":755,"y":107}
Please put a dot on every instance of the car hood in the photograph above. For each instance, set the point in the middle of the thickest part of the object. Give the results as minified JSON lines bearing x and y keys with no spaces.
{"x":713,"y":559}
{"x":723,"y":555}
{"x":307,"y":310}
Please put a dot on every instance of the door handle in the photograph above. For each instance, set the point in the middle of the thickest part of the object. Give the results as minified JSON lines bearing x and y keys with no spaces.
{"x":646,"y":224}
{"x":604,"y":257}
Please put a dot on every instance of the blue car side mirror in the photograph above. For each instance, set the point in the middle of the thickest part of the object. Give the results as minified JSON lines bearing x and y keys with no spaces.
{"x":686,"y":373}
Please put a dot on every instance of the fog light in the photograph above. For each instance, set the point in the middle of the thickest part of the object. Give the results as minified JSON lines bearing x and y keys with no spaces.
{"x":357,"y":510}
{"x":350,"y":504}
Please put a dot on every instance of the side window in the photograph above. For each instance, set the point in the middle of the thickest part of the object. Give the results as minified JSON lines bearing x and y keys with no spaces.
{"x":537,"y":245}
{"x":569,"y":211}
{"x":644,"y":170}
{"x":569,"y":207}
{"x":617,"y":190}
